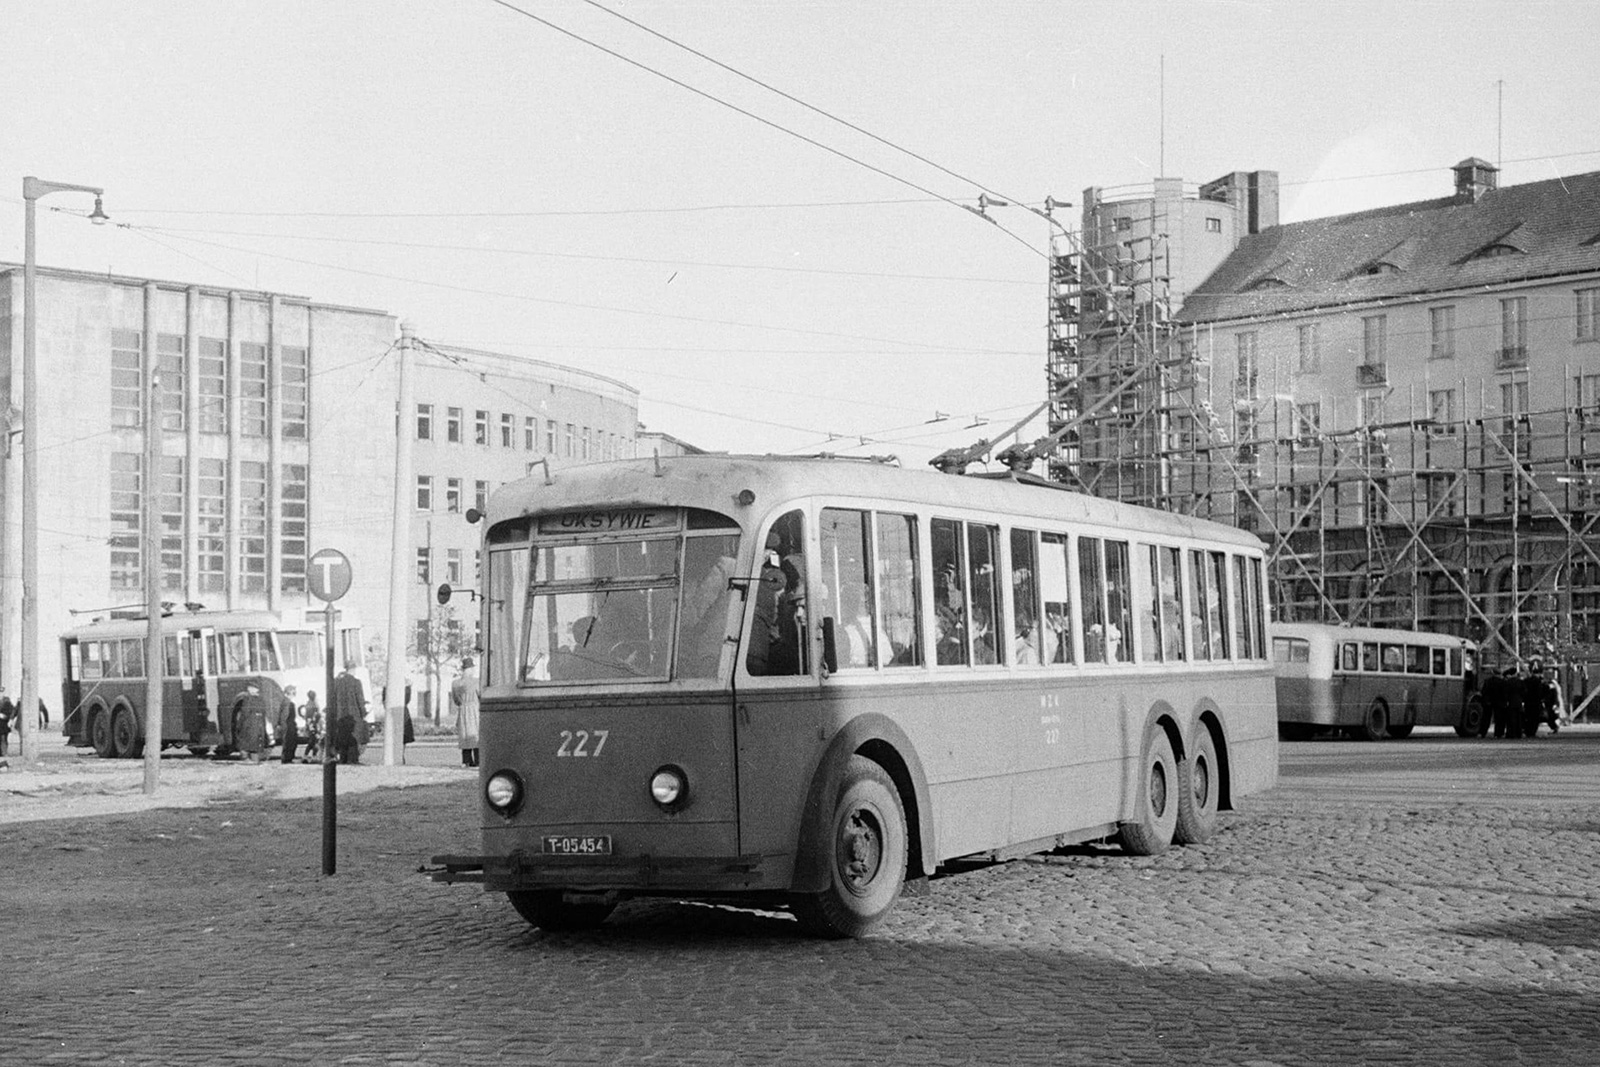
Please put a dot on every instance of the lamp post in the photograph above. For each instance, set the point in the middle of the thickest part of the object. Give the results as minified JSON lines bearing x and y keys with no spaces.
{"x":32,"y":190}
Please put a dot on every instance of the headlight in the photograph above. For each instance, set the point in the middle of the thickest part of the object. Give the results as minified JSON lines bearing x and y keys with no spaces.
{"x":503,"y":791}
{"x":669,"y":788}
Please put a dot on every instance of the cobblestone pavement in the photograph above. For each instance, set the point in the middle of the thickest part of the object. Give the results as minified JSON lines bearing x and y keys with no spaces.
{"x":1429,"y":902}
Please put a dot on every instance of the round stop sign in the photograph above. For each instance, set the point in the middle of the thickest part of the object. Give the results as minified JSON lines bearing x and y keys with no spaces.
{"x":328,"y":574}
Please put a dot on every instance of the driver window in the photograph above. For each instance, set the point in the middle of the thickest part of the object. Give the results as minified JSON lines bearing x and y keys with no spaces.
{"x":777,"y":632}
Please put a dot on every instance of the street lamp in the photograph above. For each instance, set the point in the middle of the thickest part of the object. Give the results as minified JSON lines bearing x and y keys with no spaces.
{"x":32,"y":190}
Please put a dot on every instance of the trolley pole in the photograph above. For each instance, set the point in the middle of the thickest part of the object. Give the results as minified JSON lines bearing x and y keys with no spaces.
{"x":400,"y":546}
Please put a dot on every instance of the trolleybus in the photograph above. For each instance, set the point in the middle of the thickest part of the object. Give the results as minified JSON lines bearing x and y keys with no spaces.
{"x":1373,"y":683}
{"x":814,"y":681}
{"x":209,"y":658}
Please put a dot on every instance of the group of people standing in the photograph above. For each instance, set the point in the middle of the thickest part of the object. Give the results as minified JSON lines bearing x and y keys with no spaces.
{"x":1518,"y":701}
{"x":346,"y":721}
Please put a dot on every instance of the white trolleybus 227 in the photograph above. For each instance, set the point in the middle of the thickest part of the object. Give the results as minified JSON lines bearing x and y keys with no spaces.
{"x":1373,"y":684}
{"x":813,"y":681}
{"x":209,"y":658}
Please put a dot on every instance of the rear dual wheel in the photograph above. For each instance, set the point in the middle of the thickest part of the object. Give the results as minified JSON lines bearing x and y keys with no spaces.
{"x":1161,"y":787}
{"x":100,"y":734}
{"x":1199,"y":791}
{"x":125,"y":737}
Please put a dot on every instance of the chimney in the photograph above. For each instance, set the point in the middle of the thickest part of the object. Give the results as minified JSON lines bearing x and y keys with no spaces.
{"x":1474,"y":177}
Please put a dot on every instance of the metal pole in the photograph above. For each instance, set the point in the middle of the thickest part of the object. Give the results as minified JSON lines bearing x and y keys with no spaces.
{"x":32,"y":189}
{"x":154,"y":661}
{"x":330,"y":766}
{"x":400,"y":545}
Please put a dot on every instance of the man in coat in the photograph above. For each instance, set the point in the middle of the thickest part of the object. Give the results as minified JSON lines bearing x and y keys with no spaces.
{"x":347,"y":715}
{"x":464,"y":695}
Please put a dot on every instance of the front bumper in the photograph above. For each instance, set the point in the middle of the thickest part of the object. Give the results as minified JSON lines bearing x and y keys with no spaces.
{"x":523,"y":870}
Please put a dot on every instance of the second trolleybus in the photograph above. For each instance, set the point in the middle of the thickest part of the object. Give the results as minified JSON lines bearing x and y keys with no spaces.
{"x":1373,"y":683}
{"x":812,"y":681}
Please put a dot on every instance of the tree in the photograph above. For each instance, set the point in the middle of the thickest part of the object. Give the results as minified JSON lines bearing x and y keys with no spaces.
{"x":438,"y":641}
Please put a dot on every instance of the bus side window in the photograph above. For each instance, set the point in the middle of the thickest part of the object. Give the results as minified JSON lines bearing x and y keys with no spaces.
{"x":1145,"y":562}
{"x":1055,"y":590}
{"x":169,"y":649}
{"x":983,"y":561}
{"x":1171,"y":596}
{"x":949,"y":593}
{"x":1347,"y":656}
{"x":1119,"y":618}
{"x":899,"y":586}
{"x":1393,"y":659}
{"x":845,"y":592}
{"x":1416,"y":659}
{"x":1369,"y":656}
{"x":1438,"y":662}
{"x":1456,"y":666}
{"x":776,"y":634}
{"x":1091,"y":586}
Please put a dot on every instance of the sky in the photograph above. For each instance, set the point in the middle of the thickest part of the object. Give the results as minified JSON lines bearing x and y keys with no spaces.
{"x":756,"y":214}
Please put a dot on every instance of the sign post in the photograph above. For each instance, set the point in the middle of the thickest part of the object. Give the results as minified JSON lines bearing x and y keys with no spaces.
{"x":328,"y":575}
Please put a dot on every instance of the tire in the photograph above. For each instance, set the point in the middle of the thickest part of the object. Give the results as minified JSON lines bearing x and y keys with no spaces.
{"x":100,"y":733}
{"x":867,"y":848}
{"x":125,"y":737}
{"x":1160,"y":787}
{"x":1400,"y":733}
{"x":545,"y":909}
{"x":1375,"y":727}
{"x":1474,"y":720}
{"x":1199,"y":791}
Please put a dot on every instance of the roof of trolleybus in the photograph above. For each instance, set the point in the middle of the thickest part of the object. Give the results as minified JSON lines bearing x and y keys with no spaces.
{"x":179,"y":622}
{"x":723,"y":484}
{"x":1336,"y":633}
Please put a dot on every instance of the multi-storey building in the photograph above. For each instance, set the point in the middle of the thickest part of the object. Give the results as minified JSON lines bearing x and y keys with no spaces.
{"x":278,"y":433}
{"x":1404,"y":402}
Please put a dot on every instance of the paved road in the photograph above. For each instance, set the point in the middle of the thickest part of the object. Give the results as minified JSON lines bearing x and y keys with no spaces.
{"x":1431,"y":901}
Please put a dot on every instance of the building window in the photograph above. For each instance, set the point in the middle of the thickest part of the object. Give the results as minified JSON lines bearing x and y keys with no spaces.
{"x":480,"y":496}
{"x":424,"y":422}
{"x":530,"y":433}
{"x":127,"y":502}
{"x":1375,"y":340}
{"x":508,"y":430}
{"x":1588,"y":302}
{"x":170,"y":498}
{"x":1213,"y":225}
{"x":424,"y":492}
{"x":569,"y":444}
{"x":1587,"y":389}
{"x":452,"y":495}
{"x":425,"y":566}
{"x":480,"y":427}
{"x":127,"y":378}
{"x":294,"y":391}
{"x":1123,"y":222}
{"x":1442,"y":333}
{"x":1442,"y":406}
{"x":452,"y":425}
{"x":585,"y":440}
{"x":293,"y":525}
{"x":1308,"y":419}
{"x":211,"y":532}
{"x":1248,"y":365}
{"x":252,"y":389}
{"x":212,"y":369}
{"x":452,"y":566}
{"x":253,"y":527}
{"x":169,"y":364}
{"x":550,"y":436}
{"x":1372,"y":409}
{"x":1310,"y":348}
{"x":1514,"y":330}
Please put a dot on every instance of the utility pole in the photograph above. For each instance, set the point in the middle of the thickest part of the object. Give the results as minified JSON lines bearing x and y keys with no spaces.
{"x":32,"y":190}
{"x":399,"y":585}
{"x":154,"y":661}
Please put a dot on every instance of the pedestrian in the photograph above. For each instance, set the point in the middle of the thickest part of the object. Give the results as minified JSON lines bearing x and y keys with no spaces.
{"x":464,"y":695}
{"x":250,"y":723}
{"x":347,"y":715}
{"x":287,"y":727}
{"x":1494,"y":701}
{"x":313,"y":715}
{"x":1538,"y":704}
{"x":8,"y":713}
{"x":1513,"y":702}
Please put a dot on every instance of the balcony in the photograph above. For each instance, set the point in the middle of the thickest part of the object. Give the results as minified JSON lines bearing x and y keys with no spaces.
{"x":1511,"y":356}
{"x":1372,"y":374}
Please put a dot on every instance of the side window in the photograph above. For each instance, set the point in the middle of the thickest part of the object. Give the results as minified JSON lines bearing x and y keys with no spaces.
{"x":845,"y":592}
{"x":1394,"y":658}
{"x":1055,"y":589}
{"x":778,"y":634}
{"x":1216,"y":603}
{"x":1416,"y":659}
{"x":1119,"y":603}
{"x":1091,"y":586}
{"x":1348,"y":656}
{"x":899,"y":605}
{"x":949,"y":592}
{"x":1169,"y":591}
{"x":169,"y":650}
{"x":1455,"y":662}
{"x":1027,"y":644}
{"x":983,"y":560}
{"x":1201,"y":636}
{"x":1369,"y":656}
{"x":1247,"y":612}
{"x":1438,"y":662}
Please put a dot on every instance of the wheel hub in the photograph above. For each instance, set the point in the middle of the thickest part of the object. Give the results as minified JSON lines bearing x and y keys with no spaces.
{"x":860,"y":849}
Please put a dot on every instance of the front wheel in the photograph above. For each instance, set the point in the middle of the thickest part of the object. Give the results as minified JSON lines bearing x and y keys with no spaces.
{"x":1199,"y":791}
{"x":546,"y":909}
{"x":1375,"y":726}
{"x":1474,"y":720}
{"x":866,"y":842}
{"x":1160,"y":786}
